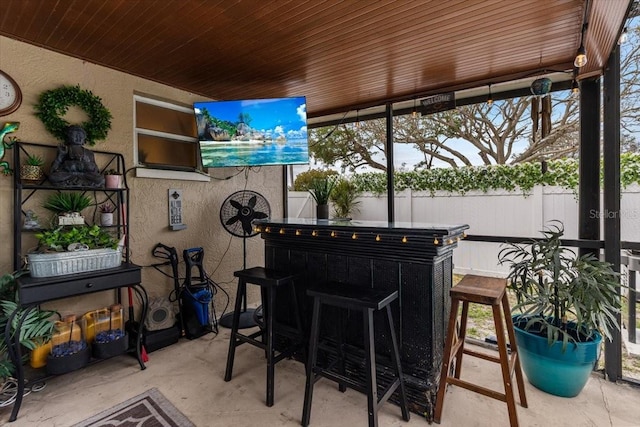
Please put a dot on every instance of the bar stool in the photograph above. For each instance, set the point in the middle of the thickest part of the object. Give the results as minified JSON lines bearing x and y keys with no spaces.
{"x":486,"y":291}
{"x":269,"y":280}
{"x":367,"y":301}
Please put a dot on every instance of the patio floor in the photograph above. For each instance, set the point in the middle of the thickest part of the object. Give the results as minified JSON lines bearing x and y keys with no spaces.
{"x":190,"y":375}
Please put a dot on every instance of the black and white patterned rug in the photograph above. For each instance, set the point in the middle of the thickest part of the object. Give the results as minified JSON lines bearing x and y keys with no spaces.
{"x":149,"y":409}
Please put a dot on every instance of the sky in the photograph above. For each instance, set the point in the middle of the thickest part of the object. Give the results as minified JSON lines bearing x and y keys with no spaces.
{"x":275,"y":115}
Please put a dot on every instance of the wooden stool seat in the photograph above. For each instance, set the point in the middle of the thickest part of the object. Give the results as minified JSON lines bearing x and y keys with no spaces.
{"x":269,"y":280}
{"x":367,"y":301}
{"x":486,"y":291}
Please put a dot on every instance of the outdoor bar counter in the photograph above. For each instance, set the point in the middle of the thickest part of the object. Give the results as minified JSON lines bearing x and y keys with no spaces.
{"x":414,"y":258}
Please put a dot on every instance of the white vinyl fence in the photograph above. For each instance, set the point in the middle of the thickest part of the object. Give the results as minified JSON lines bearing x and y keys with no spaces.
{"x":493,"y":213}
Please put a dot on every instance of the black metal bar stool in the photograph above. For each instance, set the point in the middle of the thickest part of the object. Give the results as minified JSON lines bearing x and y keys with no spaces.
{"x":367,"y":301}
{"x":269,"y":280}
{"x":486,"y":291}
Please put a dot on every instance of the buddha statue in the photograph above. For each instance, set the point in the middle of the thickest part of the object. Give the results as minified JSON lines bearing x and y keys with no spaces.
{"x":75,"y":165}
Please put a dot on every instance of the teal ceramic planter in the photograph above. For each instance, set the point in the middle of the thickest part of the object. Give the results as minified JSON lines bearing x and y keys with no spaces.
{"x":561,"y":373}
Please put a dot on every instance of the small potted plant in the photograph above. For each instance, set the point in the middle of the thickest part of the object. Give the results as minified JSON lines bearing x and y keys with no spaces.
{"x":320,"y":190}
{"x":343,"y":197}
{"x":106,"y":214}
{"x":112,"y":178}
{"x":68,"y":207}
{"x":31,"y":171}
{"x":565,"y":304}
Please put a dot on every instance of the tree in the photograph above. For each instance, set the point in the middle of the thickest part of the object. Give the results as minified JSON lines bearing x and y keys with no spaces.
{"x":500,"y":133}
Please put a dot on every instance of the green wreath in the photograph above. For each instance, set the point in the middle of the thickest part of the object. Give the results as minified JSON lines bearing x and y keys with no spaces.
{"x":53,"y":104}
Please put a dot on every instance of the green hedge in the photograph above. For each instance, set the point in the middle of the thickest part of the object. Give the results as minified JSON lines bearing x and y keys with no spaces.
{"x":522,"y":177}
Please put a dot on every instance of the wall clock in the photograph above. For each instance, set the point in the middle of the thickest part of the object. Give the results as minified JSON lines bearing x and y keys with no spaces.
{"x":10,"y":94}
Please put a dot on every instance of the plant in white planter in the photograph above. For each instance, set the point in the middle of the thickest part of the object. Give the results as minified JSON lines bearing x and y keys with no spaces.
{"x":566,"y":303}
{"x":68,"y":207}
{"x":106,"y":214}
{"x":66,"y":250}
{"x":112,"y":179}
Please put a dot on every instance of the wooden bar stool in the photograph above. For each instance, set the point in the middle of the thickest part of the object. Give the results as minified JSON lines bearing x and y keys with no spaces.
{"x":367,"y":301}
{"x":269,"y":280}
{"x":487,"y":291}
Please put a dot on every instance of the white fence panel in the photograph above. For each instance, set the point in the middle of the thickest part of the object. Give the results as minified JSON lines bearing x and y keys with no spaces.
{"x":496,"y":213}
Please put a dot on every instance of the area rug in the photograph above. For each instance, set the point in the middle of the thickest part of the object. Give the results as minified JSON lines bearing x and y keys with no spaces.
{"x":149,"y":409}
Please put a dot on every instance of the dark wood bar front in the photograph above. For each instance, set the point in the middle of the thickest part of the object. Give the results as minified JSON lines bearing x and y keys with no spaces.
{"x":413,"y":258}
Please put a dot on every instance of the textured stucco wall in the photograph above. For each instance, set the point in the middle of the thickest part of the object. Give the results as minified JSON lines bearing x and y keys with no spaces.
{"x":37,"y":70}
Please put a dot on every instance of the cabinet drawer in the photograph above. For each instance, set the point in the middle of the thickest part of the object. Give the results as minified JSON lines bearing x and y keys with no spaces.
{"x":39,"y":290}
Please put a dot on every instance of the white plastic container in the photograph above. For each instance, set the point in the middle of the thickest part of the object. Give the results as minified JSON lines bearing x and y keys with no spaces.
{"x":59,"y":263}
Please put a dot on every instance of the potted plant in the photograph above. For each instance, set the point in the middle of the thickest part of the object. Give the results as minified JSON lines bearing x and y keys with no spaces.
{"x":67,"y":250}
{"x":343,"y":198}
{"x":67,"y":206}
{"x":31,"y":170}
{"x":36,"y":328}
{"x":566,"y":303}
{"x":320,"y":190}
{"x":112,"y":178}
{"x":106,"y":214}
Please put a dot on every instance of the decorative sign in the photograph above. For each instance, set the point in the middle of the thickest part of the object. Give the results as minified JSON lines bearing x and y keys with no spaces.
{"x":437,"y":103}
{"x":175,"y":210}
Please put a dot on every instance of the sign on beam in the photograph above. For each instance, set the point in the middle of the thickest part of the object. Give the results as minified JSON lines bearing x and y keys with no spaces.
{"x":437,"y":103}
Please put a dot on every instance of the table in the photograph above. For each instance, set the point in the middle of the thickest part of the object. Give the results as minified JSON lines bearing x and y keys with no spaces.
{"x":413,"y":258}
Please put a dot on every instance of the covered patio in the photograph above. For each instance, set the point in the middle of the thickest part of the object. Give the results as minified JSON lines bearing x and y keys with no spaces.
{"x":352,"y":60}
{"x":189,"y":374}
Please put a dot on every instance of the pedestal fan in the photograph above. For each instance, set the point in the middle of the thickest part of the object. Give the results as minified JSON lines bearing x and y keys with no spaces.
{"x":237,"y":214}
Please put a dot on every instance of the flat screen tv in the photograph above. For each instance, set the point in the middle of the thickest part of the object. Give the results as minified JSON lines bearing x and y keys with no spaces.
{"x":253,"y":132}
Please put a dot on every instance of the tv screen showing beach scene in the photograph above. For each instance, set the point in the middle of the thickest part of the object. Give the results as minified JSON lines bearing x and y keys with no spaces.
{"x":253,"y":132}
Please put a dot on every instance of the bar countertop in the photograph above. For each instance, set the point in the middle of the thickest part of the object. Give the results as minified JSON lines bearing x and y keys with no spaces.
{"x":399,"y":227}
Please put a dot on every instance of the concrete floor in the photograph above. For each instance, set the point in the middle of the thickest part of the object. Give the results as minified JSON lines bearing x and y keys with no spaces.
{"x":190,"y":375}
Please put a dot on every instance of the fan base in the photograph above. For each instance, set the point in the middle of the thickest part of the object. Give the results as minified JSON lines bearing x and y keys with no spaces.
{"x":246,"y":319}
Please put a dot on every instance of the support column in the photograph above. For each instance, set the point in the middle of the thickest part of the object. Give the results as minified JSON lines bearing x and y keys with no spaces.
{"x":589,"y":212}
{"x":611,"y":149}
{"x":390,"y":178}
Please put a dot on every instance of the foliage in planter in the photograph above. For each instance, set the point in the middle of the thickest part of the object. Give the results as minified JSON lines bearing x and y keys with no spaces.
{"x":343,"y":198}
{"x":67,"y":202}
{"x":321,"y":189}
{"x":111,"y":172}
{"x":59,"y":239}
{"x":36,"y":328}
{"x":522,"y":176}
{"x":107,"y":208}
{"x":556,"y":289}
{"x":34,"y":160}
{"x":54,"y":104}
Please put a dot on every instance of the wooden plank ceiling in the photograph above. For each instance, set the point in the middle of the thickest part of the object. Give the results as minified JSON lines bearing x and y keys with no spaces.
{"x":341,"y":54}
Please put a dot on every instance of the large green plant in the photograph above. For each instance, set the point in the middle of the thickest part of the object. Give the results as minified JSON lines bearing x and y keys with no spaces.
{"x":36,"y":328}
{"x":561,"y":295}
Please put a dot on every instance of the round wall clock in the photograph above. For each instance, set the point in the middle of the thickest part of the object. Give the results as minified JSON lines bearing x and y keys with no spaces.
{"x":10,"y":94}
